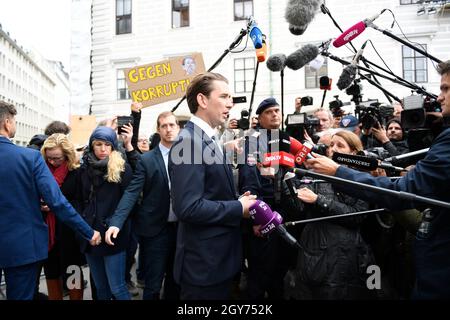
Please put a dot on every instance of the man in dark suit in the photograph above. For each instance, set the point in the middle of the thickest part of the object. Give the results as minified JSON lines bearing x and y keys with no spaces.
{"x":154,"y":223}
{"x":25,"y":181}
{"x":429,"y":178}
{"x":209,"y":247}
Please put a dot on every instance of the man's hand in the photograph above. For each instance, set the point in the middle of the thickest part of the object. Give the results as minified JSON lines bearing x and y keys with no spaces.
{"x":380,"y":134}
{"x":307,"y":195}
{"x":322,"y":164}
{"x":112,"y":123}
{"x":235,"y":145}
{"x":96,"y":239}
{"x":233,"y":124}
{"x":136,"y":107}
{"x":256,"y":231}
{"x":111,"y":232}
{"x":247,"y":200}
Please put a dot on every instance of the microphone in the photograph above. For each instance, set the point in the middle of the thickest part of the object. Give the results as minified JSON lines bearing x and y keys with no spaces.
{"x":302,"y":56}
{"x":299,"y":13}
{"x":407,"y":155}
{"x":276,"y":62}
{"x":279,"y":151}
{"x":256,"y":34}
{"x":301,"y":151}
{"x":269,"y":221}
{"x":354,"y":31}
{"x":349,"y":73}
{"x":363,"y":162}
{"x":262,"y":52}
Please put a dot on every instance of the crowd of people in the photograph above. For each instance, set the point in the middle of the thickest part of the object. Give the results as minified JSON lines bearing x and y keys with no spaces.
{"x":176,"y":198}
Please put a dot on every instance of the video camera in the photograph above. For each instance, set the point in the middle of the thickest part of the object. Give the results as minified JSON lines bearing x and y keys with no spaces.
{"x":422,"y":128}
{"x":306,"y":101}
{"x":372,"y":113}
{"x":296,"y":124}
{"x":336,"y":105}
{"x":244,"y":121}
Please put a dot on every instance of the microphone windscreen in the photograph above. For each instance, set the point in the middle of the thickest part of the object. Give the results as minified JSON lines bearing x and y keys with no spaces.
{"x":276,"y":62}
{"x":356,"y":161}
{"x":302,"y":56}
{"x":349,"y":34}
{"x":300,"y":13}
{"x":279,"y":141}
{"x":347,"y":76}
{"x":296,"y":30}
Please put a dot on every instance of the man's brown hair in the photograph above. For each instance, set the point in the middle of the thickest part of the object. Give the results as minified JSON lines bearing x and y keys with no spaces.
{"x":202,"y":83}
{"x":7,"y":111}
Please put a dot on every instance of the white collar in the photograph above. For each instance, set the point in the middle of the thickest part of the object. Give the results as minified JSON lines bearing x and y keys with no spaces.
{"x":202,"y":124}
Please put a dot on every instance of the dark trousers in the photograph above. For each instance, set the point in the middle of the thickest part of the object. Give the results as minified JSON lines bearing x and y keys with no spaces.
{"x":171,"y":289}
{"x":131,"y":252}
{"x":154,"y":252}
{"x":21,"y":281}
{"x":221,"y":291}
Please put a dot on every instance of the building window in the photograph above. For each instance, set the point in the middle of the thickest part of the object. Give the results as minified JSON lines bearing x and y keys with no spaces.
{"x":410,"y":1}
{"x":180,"y":13}
{"x":243,"y":9}
{"x":244,"y":72}
{"x":312,"y":76}
{"x":414,"y":65}
{"x":122,"y":88}
{"x":123,"y":16}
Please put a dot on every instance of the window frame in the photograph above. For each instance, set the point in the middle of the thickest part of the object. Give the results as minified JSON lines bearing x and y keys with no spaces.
{"x":242,"y":2}
{"x":120,"y":78}
{"x":181,"y":8}
{"x":317,"y":74}
{"x":124,"y":17}
{"x":416,"y":55}
{"x":245,"y":80}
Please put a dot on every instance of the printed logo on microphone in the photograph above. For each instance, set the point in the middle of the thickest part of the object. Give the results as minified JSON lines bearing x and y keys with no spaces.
{"x":351,"y":34}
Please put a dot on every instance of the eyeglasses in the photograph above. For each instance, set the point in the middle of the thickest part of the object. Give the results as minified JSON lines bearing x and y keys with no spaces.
{"x":55,"y":158}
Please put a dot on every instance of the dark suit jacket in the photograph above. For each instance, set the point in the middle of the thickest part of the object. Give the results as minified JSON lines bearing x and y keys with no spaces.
{"x":24,"y":180}
{"x":430,"y":178}
{"x":204,"y":200}
{"x":151,"y":179}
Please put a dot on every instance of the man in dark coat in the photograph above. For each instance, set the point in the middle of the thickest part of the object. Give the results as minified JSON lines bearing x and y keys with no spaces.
{"x":430,"y":178}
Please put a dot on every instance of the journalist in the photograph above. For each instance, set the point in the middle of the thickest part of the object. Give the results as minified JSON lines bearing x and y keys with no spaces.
{"x":428,"y":179}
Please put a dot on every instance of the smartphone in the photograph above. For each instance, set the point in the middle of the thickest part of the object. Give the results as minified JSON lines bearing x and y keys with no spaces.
{"x":123,"y":120}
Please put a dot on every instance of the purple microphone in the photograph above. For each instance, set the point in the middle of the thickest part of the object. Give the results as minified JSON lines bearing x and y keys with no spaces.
{"x":269,"y":221}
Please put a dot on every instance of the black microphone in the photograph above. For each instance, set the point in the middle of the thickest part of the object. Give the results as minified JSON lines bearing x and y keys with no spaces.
{"x":363,"y":162}
{"x":349,"y":73}
{"x":302,"y":56}
{"x":276,"y":62}
{"x":299,"y":13}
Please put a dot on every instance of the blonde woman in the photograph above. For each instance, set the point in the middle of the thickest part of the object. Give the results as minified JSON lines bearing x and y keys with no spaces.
{"x":64,"y":251}
{"x":101,"y":181}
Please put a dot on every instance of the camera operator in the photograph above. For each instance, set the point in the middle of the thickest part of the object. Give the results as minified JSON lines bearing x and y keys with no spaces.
{"x":429,"y":178}
{"x":268,"y":257}
{"x":392,"y":139}
{"x":325,"y":117}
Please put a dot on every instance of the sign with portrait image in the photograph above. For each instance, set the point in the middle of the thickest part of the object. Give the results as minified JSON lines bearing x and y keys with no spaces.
{"x":163,"y":81}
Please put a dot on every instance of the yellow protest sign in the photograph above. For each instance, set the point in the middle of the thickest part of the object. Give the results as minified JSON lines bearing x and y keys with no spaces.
{"x":163,"y":81}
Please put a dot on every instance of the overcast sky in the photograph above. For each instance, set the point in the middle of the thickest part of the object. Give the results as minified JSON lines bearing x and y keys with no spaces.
{"x":40,"y":24}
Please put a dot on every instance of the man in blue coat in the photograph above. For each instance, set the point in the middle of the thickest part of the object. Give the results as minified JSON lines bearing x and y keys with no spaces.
{"x":25,"y":181}
{"x":430,"y":178}
{"x":154,"y":223}
{"x":209,"y":248}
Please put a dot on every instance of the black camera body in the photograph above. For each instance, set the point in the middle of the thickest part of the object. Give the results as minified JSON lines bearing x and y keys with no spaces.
{"x":244,"y":122}
{"x":296,"y":124}
{"x":374,"y":114}
{"x":335,"y":107}
{"x":306,"y":101}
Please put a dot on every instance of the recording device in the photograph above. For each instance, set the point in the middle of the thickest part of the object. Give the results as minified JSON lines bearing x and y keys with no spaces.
{"x":299,"y":13}
{"x":374,"y":115}
{"x":415,"y":109}
{"x":244,"y":121}
{"x":349,"y":73}
{"x":363,"y":162}
{"x":255,"y":34}
{"x":297,"y":124}
{"x":262,"y":52}
{"x":270,"y":221}
{"x":325,"y":83}
{"x":336,"y":105}
{"x":121,"y":121}
{"x":306,"y":101}
{"x":355,"y":30}
{"x":299,"y":58}
{"x":276,"y":62}
{"x":301,"y":151}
